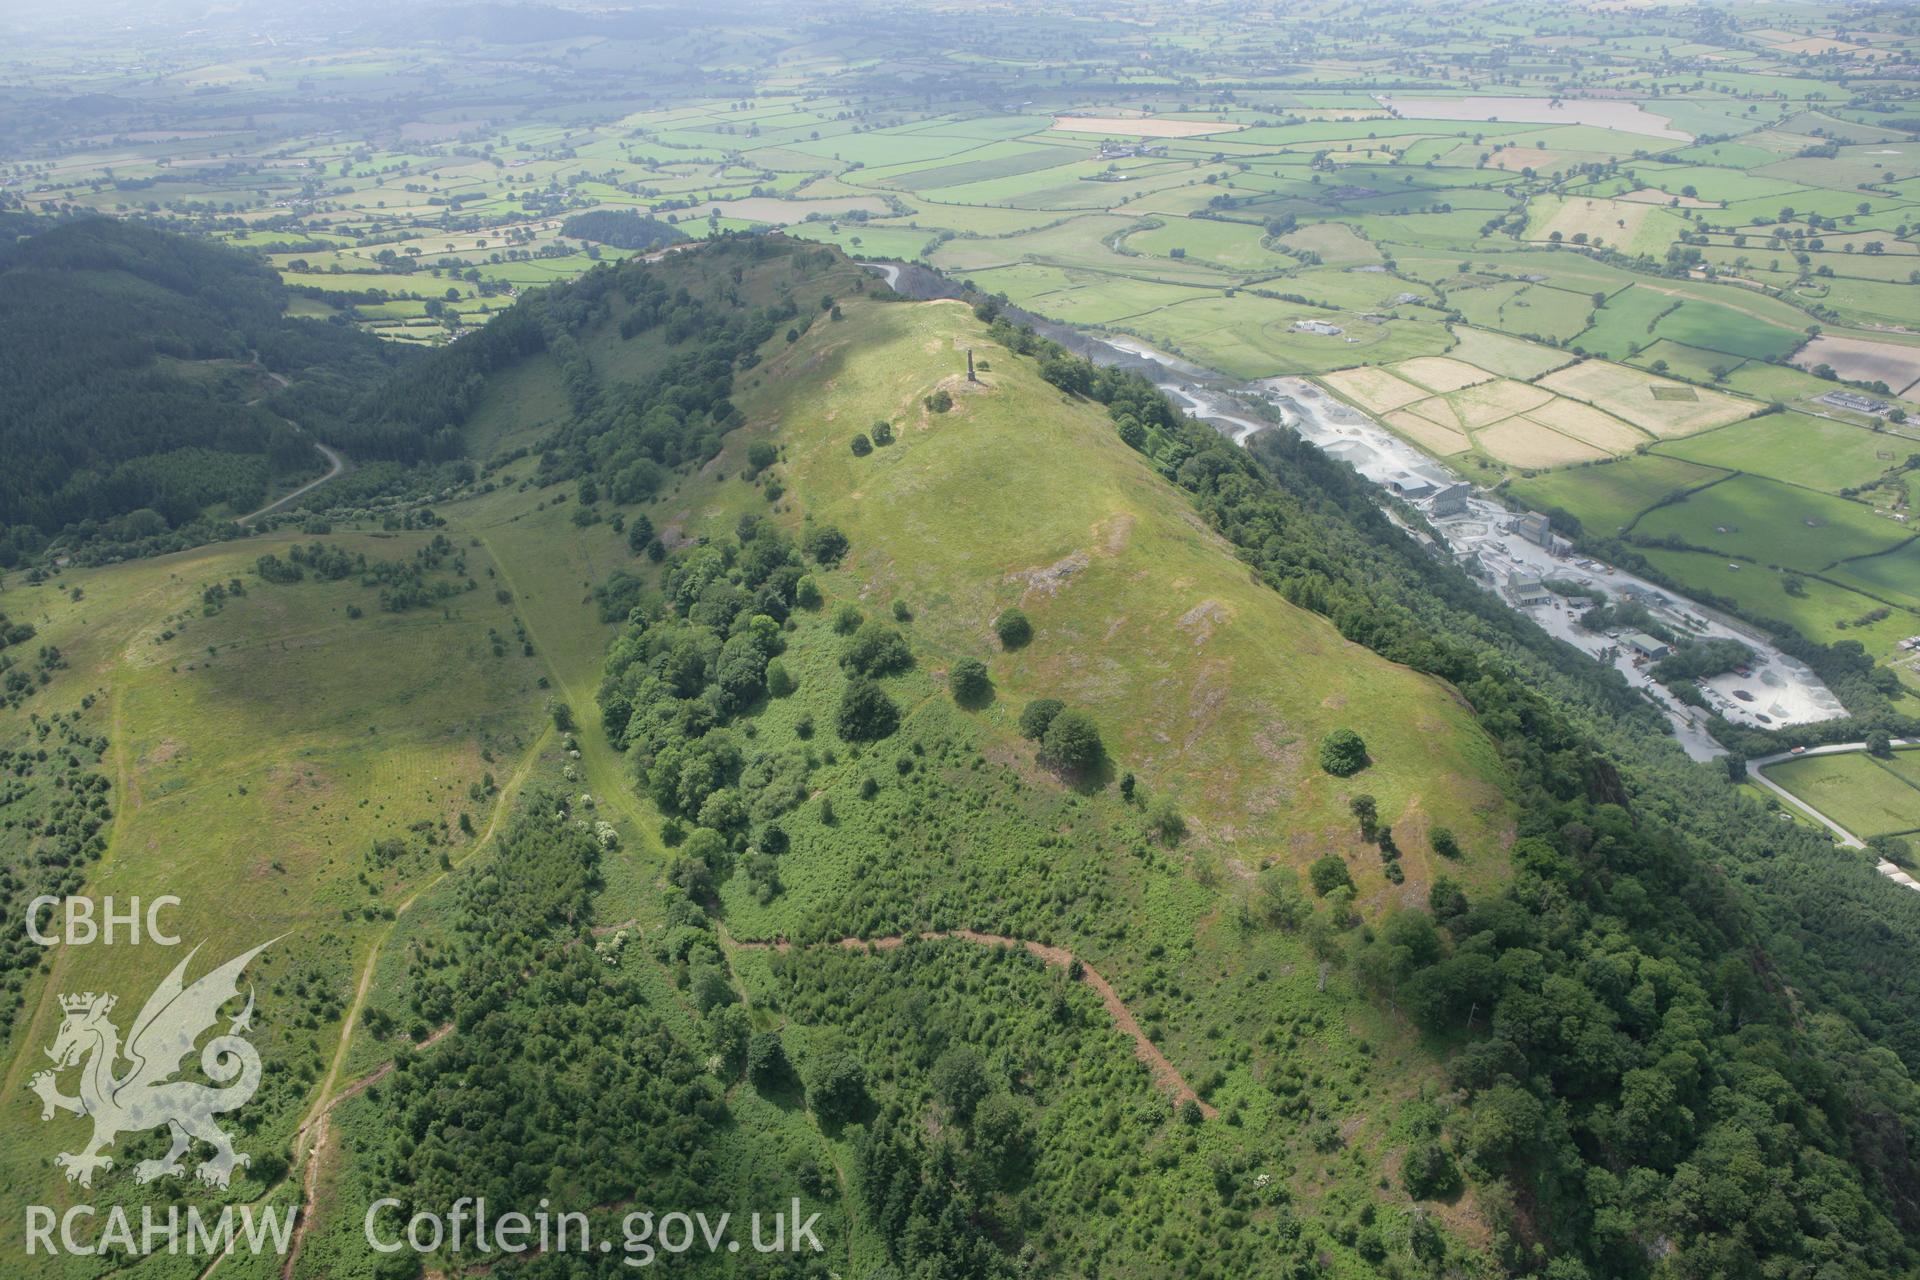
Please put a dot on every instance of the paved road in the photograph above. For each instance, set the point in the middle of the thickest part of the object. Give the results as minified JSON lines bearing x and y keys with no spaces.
{"x":1755,"y":772}
{"x":336,"y":464}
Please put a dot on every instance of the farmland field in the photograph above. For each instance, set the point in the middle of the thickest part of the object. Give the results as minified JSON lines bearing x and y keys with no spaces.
{"x":1769,"y":523}
{"x":1509,"y":357}
{"x":1824,"y":611}
{"x":1797,"y":449}
{"x":1525,"y":442}
{"x":1864,"y":360}
{"x":1610,"y":497}
{"x":1892,"y":575}
{"x":1867,"y":796}
{"x":1632,"y":395}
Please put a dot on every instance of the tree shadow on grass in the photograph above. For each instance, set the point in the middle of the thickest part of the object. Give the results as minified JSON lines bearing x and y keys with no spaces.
{"x":977,"y":700}
{"x":1090,"y":779}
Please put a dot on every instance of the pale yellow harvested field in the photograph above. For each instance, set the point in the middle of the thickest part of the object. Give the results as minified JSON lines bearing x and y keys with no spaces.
{"x":1628,"y":393}
{"x":1863,"y":360}
{"x":1438,"y":411}
{"x":1336,"y":243}
{"x":1508,"y":357}
{"x":1437,"y":440}
{"x":1143,"y":126}
{"x":1438,"y":373}
{"x":1584,"y":422}
{"x":1488,"y":403}
{"x":1374,"y":390}
{"x":1614,"y":221}
{"x":1520,"y":443}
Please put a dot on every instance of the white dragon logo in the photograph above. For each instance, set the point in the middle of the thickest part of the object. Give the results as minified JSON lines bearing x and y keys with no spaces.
{"x":145,"y":1096}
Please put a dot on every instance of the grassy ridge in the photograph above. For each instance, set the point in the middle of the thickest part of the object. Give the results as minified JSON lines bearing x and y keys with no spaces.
{"x":1020,"y":496}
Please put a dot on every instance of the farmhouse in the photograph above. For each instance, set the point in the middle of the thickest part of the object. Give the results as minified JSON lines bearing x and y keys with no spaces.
{"x":1318,"y":326}
{"x":1853,"y":400}
{"x":1646,"y":646}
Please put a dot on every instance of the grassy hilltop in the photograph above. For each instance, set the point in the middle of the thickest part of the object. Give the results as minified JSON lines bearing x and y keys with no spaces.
{"x":1017,"y":497}
{"x":596,"y":890}
{"x":276,"y":740}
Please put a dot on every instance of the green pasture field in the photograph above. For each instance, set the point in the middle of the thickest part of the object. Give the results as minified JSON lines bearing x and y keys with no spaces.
{"x":1252,"y":337}
{"x":1854,"y":166}
{"x":980,"y":164}
{"x":1080,"y":296}
{"x":1695,"y":364}
{"x":1521,"y":309}
{"x":1568,"y":270}
{"x":864,"y":240}
{"x":1904,"y":764}
{"x":1351,"y":290}
{"x":1713,"y":182}
{"x":1083,"y":241}
{"x":1774,"y":524}
{"x":1232,"y":246}
{"x":1822,"y":611}
{"x":1082,"y":184}
{"x":1625,"y":324}
{"x":1795,"y":449}
{"x":1883,"y":268}
{"x":1777,"y":382}
{"x":1508,"y":357}
{"x":1892,"y":576}
{"x":1721,"y":328}
{"x":1862,"y":794}
{"x":1609,"y":496}
{"x":978,"y":220}
{"x":1337,"y":244}
{"x":1805,"y":200}
{"x":1177,"y":201}
{"x":1434,"y":229}
{"x":1872,"y":301}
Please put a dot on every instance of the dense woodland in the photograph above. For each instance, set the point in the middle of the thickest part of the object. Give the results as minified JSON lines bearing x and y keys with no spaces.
{"x":622,"y":228}
{"x":135,"y":365}
{"x":564,"y":1080}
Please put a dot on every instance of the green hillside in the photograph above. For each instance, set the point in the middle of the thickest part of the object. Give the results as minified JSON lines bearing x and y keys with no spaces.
{"x":667,"y":808}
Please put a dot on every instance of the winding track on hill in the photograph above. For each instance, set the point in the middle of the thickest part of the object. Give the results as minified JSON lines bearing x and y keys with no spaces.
{"x":1165,"y":1074}
{"x":335,"y":462}
{"x":306,"y":1158}
{"x":335,"y":465}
